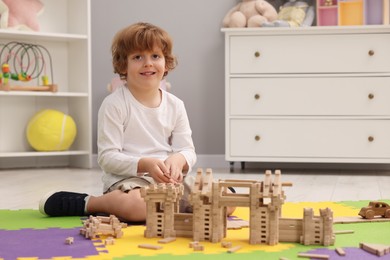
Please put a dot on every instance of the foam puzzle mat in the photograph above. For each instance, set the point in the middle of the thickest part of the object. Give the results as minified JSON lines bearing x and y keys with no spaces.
{"x":26,"y":234}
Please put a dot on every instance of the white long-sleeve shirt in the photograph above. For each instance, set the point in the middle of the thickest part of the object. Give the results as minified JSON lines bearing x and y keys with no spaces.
{"x":128,"y":131}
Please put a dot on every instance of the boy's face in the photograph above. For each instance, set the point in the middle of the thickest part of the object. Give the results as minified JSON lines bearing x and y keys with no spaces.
{"x":145,"y":69}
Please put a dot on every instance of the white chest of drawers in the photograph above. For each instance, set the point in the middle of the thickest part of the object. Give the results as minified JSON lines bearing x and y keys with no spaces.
{"x":318,"y":94}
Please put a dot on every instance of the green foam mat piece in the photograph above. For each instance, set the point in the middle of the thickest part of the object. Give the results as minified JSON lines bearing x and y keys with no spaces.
{"x":29,"y":218}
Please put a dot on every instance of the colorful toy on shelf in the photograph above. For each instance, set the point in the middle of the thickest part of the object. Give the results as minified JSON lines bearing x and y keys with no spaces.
{"x":352,"y":12}
{"x":24,"y":63}
{"x":294,"y":14}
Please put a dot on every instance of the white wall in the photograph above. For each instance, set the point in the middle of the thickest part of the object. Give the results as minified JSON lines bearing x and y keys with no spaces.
{"x":199,"y":45}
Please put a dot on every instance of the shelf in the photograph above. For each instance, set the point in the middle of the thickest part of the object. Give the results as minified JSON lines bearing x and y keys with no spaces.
{"x":37,"y":154}
{"x":65,"y":35}
{"x":43,"y":94}
{"x":35,"y":36}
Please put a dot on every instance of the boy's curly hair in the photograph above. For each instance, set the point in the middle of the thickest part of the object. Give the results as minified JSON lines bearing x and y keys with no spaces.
{"x":139,"y":37}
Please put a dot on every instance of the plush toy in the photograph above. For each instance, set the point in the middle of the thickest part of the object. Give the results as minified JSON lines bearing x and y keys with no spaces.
{"x":20,"y":14}
{"x":51,"y":130}
{"x":294,"y":14}
{"x":250,"y":13}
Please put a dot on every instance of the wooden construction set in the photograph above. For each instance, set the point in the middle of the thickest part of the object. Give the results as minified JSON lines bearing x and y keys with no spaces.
{"x":210,"y":199}
{"x":208,"y":221}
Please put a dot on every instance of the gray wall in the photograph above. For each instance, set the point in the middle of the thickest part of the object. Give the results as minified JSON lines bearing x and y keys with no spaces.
{"x":198,"y":44}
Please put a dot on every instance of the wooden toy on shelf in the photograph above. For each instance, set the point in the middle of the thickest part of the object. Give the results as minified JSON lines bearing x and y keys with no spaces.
{"x":208,"y":221}
{"x":22,"y":63}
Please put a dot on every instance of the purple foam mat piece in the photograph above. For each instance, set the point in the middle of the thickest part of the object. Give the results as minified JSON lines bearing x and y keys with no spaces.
{"x":44,"y":243}
{"x":351,"y":253}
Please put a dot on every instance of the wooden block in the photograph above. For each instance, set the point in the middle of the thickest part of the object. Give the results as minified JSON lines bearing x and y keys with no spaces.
{"x":375,"y":249}
{"x":69,"y":240}
{"x":318,"y":256}
{"x":226,"y":244}
{"x":149,"y":246}
{"x":109,"y":241}
{"x":192,"y":244}
{"x":234,"y":249}
{"x":167,"y":240}
{"x":340,"y":251}
{"x":343,"y":231}
{"x":198,"y":247}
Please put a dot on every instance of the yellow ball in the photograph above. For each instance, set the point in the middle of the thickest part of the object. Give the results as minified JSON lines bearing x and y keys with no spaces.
{"x":51,"y":130}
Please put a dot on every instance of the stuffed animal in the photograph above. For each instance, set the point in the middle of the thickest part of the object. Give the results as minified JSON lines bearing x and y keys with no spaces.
{"x":250,"y":13}
{"x":20,"y":14}
{"x":294,"y":14}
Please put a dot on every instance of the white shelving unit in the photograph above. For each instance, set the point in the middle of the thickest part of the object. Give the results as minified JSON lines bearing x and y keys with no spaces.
{"x":65,"y":32}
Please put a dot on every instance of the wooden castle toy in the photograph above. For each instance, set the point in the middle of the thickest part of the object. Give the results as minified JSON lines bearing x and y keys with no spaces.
{"x":208,"y":221}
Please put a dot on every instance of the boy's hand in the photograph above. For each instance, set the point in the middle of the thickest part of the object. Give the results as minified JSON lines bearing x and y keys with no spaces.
{"x":175,"y":164}
{"x":156,"y":169}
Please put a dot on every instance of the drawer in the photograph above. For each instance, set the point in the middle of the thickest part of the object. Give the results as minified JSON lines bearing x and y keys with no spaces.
{"x":328,"y":138}
{"x":316,"y":53}
{"x":368,"y":96}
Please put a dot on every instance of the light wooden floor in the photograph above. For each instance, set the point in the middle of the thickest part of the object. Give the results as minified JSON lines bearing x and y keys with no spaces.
{"x":22,"y":189}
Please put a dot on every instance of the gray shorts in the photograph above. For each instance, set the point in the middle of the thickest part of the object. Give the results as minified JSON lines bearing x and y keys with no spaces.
{"x":131,"y":183}
{"x":137,"y":182}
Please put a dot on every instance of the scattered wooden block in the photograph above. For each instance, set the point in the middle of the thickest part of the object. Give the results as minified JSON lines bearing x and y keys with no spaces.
{"x":343,"y":231}
{"x":226,"y":244}
{"x":192,"y":244}
{"x":109,"y":241}
{"x":340,"y":251}
{"x":198,"y":247}
{"x":149,"y":246}
{"x":375,"y":249}
{"x":234,"y":249}
{"x":317,"y":256}
{"x":167,"y":240}
{"x":69,"y":240}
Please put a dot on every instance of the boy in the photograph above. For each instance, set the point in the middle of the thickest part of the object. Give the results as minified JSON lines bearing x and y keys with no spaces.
{"x":144,"y":135}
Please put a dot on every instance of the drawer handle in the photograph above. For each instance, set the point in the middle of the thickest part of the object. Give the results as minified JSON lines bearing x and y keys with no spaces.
{"x":371,"y":139}
{"x":257,"y":137}
{"x":371,"y":52}
{"x":257,"y":54}
{"x":371,"y":96}
{"x":257,"y":96}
